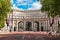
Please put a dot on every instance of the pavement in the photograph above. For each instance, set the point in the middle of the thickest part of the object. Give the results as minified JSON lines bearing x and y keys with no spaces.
{"x":38,"y":32}
{"x":28,"y":35}
{"x":23,"y":32}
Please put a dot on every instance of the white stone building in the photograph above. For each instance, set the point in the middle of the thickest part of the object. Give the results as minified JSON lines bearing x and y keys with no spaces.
{"x":30,"y":20}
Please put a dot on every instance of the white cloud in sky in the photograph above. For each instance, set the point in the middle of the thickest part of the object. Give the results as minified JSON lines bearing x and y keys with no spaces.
{"x":14,"y":7}
{"x":34,"y":6}
{"x":18,"y":1}
{"x":11,"y":1}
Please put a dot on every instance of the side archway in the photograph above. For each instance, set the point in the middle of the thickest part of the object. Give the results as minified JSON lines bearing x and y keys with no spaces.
{"x":36,"y":26}
{"x":20,"y":26}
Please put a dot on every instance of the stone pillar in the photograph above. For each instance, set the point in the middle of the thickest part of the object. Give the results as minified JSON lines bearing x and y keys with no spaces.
{"x":39,"y":26}
{"x":17,"y":25}
{"x":24,"y":26}
{"x":12,"y":25}
{"x":32,"y":26}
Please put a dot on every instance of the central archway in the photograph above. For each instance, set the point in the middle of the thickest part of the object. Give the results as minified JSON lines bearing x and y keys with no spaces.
{"x":28,"y":26}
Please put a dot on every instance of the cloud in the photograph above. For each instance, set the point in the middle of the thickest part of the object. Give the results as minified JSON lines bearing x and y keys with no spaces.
{"x":11,"y":1}
{"x":18,"y":1}
{"x":36,"y":6}
{"x":14,"y":7}
{"x":22,"y":4}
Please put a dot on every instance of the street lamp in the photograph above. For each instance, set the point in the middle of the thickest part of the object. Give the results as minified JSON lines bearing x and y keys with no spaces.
{"x":12,"y":19}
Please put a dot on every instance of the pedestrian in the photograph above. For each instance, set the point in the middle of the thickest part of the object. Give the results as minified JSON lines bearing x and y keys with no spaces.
{"x":41,"y":28}
{"x":15,"y":28}
{"x":10,"y":28}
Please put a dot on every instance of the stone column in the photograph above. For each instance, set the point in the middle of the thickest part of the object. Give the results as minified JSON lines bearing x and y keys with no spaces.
{"x":39,"y":26}
{"x":13,"y":25}
{"x":17,"y":25}
{"x":24,"y":26}
{"x":32,"y":26}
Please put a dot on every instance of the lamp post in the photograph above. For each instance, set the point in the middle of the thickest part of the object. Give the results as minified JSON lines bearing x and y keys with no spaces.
{"x":23,"y":24}
{"x":33,"y":22}
{"x":12,"y":19}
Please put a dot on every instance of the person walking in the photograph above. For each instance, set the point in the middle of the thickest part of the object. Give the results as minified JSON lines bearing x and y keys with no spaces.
{"x":15,"y":28}
{"x":10,"y":28}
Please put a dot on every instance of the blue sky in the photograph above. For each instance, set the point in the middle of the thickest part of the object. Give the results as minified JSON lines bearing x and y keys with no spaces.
{"x":25,"y":4}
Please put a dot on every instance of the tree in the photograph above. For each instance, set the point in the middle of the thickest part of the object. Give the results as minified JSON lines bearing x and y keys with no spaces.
{"x":58,"y":11}
{"x":51,"y":7}
{"x":4,"y":9}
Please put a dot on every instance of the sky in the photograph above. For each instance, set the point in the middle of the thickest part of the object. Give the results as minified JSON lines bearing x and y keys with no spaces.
{"x":25,"y":4}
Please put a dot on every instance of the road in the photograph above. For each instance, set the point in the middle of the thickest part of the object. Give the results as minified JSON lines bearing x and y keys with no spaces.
{"x":28,"y":36}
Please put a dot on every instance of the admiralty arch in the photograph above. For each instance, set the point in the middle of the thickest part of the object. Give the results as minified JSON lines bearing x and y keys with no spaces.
{"x":30,"y":20}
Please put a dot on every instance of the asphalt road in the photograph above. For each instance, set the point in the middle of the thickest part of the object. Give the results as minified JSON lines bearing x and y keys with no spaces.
{"x":28,"y":36}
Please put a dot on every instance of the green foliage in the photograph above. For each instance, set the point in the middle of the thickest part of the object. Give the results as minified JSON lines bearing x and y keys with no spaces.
{"x":57,"y":6}
{"x":51,"y":7}
{"x":4,"y":9}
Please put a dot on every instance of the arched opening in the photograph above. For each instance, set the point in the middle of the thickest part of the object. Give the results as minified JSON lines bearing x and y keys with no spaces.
{"x":36,"y":26}
{"x":28,"y":26}
{"x":42,"y":27}
{"x":20,"y":26}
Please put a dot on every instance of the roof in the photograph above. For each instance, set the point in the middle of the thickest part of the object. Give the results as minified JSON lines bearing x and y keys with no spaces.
{"x":25,"y":10}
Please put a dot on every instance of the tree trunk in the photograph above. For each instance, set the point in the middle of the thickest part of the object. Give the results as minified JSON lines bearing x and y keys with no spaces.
{"x":52,"y":22}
